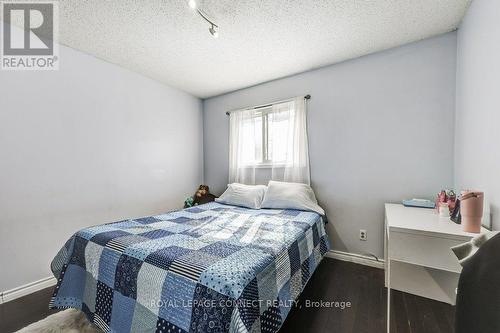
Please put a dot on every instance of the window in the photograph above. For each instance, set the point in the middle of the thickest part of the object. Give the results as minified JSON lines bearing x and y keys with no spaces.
{"x":272,"y":139}
{"x":265,"y":137}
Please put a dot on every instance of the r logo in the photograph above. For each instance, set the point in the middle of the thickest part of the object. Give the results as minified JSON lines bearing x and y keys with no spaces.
{"x":38,"y":25}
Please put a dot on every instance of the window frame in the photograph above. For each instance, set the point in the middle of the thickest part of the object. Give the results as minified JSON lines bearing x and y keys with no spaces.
{"x":265,"y":161}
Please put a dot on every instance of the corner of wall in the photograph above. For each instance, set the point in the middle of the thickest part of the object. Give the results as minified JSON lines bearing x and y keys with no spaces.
{"x":203,"y":140}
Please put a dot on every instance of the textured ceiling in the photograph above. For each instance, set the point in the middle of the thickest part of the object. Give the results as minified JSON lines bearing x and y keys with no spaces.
{"x":259,"y":40}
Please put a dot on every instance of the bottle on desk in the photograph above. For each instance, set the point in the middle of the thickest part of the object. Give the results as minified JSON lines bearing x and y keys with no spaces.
{"x":471,"y":209}
{"x":444,"y":209}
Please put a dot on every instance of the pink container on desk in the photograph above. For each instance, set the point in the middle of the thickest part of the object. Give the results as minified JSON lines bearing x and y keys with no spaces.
{"x":471,"y":209}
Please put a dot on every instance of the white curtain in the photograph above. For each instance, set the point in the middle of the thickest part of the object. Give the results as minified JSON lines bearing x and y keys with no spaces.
{"x":269,"y":143}
{"x":244,"y":143}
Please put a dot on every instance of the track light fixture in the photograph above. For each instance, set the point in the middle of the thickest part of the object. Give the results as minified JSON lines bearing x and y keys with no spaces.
{"x":214,"y":28}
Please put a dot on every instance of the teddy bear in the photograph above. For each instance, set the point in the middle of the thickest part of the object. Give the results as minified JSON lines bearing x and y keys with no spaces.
{"x":201,"y":196}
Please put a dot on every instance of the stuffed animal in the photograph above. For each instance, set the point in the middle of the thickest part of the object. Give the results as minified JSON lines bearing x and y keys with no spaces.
{"x":201,"y":196}
{"x":188,"y":202}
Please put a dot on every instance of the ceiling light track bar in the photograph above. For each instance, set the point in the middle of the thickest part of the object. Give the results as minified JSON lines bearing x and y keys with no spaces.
{"x":214,"y":28}
{"x":205,"y":17}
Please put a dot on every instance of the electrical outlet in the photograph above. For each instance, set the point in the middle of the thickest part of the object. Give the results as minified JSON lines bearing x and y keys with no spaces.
{"x":362,"y":235}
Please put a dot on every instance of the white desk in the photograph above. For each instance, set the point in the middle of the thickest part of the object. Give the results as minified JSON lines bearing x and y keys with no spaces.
{"x":418,"y":259}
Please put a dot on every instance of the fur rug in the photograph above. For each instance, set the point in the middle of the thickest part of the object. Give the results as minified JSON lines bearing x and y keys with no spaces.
{"x":67,"y":321}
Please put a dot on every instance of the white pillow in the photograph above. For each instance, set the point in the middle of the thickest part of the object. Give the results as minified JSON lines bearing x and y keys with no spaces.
{"x":280,"y":195}
{"x":249,"y":196}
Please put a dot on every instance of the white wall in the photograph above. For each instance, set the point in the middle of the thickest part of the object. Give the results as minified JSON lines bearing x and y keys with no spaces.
{"x":381,"y":129}
{"x":477,"y":154}
{"x":88,"y":144}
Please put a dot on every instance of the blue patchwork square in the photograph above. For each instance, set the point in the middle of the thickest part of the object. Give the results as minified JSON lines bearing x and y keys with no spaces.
{"x":267,"y":227}
{"x":206,"y":318}
{"x":249,"y":308}
{"x":90,"y":292}
{"x":155,"y":234}
{"x":197,"y":221}
{"x":194,"y":210}
{"x":141,"y":250}
{"x":315,"y":234}
{"x":294,"y":254}
{"x":104,"y":237}
{"x":221,"y":249}
{"x":163,"y":258}
{"x":308,"y":218}
{"x":312,"y":262}
{"x":143,"y":320}
{"x":66,"y":302}
{"x":72,"y":283}
{"x":198,"y":259}
{"x":107,"y":266}
{"x":181,"y":219}
{"x":177,"y":294}
{"x":290,"y":212}
{"x":126,"y":276}
{"x":170,"y":226}
{"x":104,"y":302}
{"x":147,"y":220}
{"x":267,"y":212}
{"x":149,"y":286}
{"x":78,"y":255}
{"x":221,"y":209}
{"x":230,"y":275}
{"x":122,"y":244}
{"x":178,"y":227}
{"x":179,"y":213}
{"x":269,"y":246}
{"x":324,"y":245}
{"x":305,"y":271}
{"x":60,"y":280}
{"x":304,"y":226}
{"x":285,"y":299}
{"x":270,"y":320}
{"x":123,"y":225}
{"x":164,"y":326}
{"x":123,"y":306}
{"x":92,"y":231}
{"x":266,"y":281}
{"x":185,"y":242}
{"x":88,"y":312}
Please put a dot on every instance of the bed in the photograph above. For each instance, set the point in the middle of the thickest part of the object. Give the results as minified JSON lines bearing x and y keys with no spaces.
{"x":209,"y":268}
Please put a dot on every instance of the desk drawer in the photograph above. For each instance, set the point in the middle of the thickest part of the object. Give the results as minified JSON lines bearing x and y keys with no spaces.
{"x":424,"y":250}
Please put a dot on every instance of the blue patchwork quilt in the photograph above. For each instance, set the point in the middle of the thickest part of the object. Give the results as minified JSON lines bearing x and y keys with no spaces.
{"x":210,"y":268}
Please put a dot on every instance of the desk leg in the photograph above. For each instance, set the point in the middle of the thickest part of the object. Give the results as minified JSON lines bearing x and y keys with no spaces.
{"x":387,"y":274}
{"x":388,"y":296}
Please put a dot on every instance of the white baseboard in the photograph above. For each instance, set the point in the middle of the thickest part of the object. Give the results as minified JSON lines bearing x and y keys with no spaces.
{"x":356,"y":258}
{"x":27,"y":289}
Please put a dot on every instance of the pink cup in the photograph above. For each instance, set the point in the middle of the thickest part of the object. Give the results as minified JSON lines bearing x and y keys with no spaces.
{"x":471,"y":209}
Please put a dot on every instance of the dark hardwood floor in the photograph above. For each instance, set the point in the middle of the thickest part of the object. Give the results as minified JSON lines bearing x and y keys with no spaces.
{"x":23,"y":311}
{"x":363,"y":287}
{"x":333,"y":281}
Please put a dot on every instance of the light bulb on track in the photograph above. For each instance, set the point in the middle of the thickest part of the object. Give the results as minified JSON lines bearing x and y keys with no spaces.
{"x":192,"y":4}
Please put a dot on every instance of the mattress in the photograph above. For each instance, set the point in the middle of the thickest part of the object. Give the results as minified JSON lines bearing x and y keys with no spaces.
{"x":209,"y":268}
